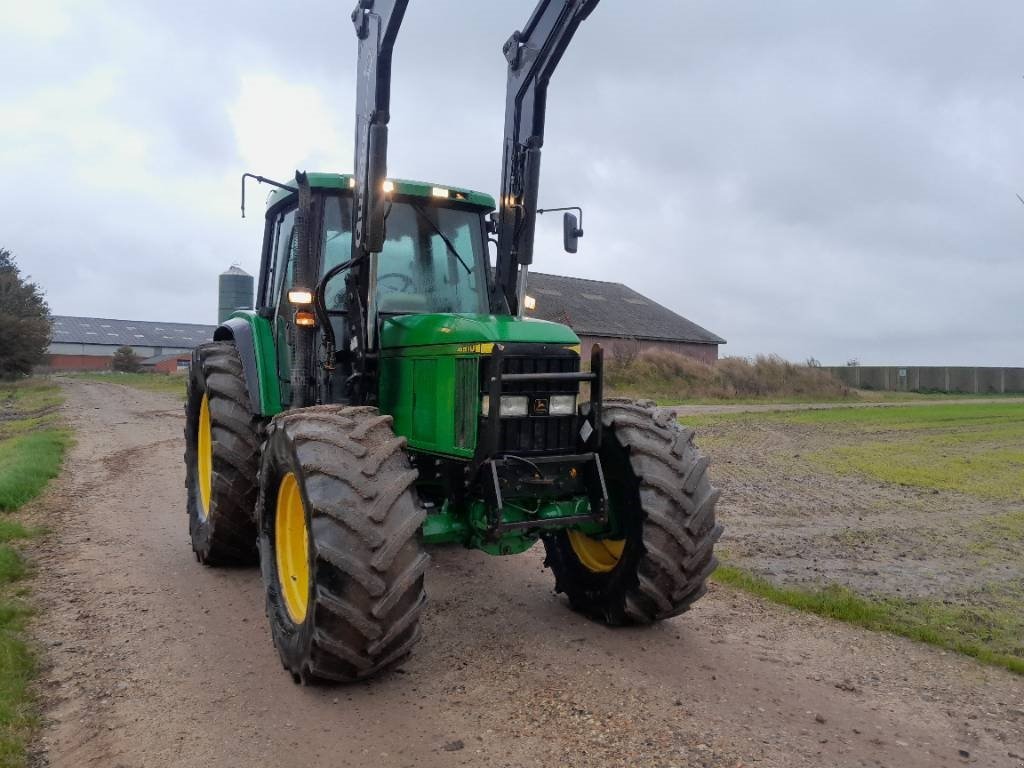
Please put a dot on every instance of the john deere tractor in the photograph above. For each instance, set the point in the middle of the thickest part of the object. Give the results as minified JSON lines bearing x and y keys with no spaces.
{"x":386,"y":394}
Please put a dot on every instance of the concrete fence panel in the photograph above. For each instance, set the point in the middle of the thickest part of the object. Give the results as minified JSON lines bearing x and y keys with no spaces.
{"x":961,"y":380}
{"x":1013,"y":379}
{"x":932,"y":379}
{"x":964,"y":379}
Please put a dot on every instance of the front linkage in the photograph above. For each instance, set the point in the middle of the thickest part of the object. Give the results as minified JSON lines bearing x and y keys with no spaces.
{"x":542,"y":477}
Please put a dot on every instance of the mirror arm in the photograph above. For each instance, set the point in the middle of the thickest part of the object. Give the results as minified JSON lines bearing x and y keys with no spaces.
{"x":262,"y":180}
{"x":579,"y":232}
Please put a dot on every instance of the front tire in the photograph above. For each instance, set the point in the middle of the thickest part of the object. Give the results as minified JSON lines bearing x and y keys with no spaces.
{"x":221,"y":458}
{"x":657,"y":564}
{"x":339,"y":543}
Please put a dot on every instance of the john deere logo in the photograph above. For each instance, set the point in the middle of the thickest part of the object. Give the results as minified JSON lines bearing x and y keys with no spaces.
{"x":540,"y":406}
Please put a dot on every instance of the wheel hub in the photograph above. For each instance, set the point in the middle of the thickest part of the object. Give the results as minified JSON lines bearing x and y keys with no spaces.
{"x":204,"y":457}
{"x":291,"y":545}
{"x":596,"y":555}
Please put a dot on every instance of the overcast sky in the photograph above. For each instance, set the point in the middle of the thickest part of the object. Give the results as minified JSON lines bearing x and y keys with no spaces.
{"x":798,"y":177}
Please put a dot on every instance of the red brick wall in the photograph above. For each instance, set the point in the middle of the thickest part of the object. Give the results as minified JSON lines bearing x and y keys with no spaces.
{"x":706,"y":353}
{"x":171,"y":365}
{"x":78,"y":362}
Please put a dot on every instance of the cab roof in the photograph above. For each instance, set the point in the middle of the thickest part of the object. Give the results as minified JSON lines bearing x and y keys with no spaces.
{"x":402,"y":187}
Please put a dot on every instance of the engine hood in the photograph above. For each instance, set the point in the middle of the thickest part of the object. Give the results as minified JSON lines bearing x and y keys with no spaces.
{"x":430,"y":330}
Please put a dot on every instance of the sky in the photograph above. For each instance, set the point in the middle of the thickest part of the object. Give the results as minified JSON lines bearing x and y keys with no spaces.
{"x":802,"y":178}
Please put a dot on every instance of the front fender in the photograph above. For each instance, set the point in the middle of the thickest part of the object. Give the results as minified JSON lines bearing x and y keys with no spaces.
{"x":254,"y":340}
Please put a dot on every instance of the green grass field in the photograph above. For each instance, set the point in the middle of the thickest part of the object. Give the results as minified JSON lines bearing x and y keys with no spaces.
{"x":973,"y":450}
{"x":32,"y":445}
{"x":150,"y":382}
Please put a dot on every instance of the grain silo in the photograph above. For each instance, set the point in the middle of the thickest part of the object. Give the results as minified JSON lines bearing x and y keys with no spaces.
{"x":234,"y":292}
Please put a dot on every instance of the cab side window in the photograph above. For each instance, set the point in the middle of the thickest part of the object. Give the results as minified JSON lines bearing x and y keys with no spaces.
{"x":283,"y":276}
{"x":283,"y":256}
{"x":280,"y":235}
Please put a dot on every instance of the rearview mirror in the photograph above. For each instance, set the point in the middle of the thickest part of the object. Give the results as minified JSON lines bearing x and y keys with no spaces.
{"x":571,"y":232}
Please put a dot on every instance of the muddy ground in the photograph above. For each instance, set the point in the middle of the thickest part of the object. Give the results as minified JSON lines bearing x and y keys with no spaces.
{"x":797,"y":524}
{"x":149,"y":659}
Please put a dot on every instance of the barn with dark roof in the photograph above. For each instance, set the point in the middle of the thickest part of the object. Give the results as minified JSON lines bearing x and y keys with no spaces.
{"x":617,"y":317}
{"x":623,"y":321}
{"x":89,"y":343}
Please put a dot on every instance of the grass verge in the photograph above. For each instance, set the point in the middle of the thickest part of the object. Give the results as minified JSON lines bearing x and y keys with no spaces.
{"x":990,"y":635}
{"x":150,"y":382}
{"x":32,"y":446}
{"x":27,"y":463}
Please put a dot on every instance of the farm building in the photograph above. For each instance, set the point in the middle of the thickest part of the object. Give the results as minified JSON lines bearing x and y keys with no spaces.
{"x":618,"y":318}
{"x":89,"y":343}
{"x":175,"y":362}
{"x":611,"y":314}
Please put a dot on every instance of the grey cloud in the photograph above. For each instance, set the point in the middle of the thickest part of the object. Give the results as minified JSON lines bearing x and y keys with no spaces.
{"x":800,"y":177}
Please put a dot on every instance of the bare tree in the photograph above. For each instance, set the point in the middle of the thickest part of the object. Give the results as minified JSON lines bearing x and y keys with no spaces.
{"x":625,"y":351}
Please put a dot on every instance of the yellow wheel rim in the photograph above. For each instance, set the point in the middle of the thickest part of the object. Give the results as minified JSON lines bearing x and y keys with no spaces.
{"x":597,"y":555}
{"x":204,"y":457}
{"x":291,"y":541}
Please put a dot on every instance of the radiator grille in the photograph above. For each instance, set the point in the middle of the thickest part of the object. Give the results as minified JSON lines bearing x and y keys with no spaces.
{"x":537,"y":435}
{"x":467,"y":401}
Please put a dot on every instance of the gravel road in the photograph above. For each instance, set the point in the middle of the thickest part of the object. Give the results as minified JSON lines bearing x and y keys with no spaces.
{"x":149,"y":659}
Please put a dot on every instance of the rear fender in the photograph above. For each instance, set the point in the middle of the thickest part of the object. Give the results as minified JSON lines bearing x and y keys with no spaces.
{"x":254,"y":340}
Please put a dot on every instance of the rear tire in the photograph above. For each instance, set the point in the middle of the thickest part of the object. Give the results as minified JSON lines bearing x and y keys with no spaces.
{"x":664,"y":502}
{"x":220,"y":469}
{"x":362,"y":590}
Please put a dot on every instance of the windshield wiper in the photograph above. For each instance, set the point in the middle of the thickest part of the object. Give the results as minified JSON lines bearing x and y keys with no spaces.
{"x":448,"y":243}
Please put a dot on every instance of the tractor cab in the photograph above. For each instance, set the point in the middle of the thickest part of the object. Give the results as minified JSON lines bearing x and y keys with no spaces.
{"x":434,"y":261}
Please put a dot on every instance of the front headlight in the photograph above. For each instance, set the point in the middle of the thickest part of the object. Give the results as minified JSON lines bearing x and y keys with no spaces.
{"x":562,"y":405}
{"x":511,"y":405}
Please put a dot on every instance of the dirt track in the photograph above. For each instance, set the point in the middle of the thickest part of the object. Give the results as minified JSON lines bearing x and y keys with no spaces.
{"x":152,"y":660}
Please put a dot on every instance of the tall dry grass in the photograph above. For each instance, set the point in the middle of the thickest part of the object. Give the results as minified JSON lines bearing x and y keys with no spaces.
{"x":666,"y":375}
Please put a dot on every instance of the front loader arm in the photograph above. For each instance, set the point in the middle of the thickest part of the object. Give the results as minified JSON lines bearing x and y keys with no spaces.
{"x":533,"y":54}
{"x":376,"y":24}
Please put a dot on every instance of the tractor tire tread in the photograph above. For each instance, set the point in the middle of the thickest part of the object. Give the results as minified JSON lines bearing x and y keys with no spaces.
{"x":668,"y":572}
{"x":228,"y":535}
{"x":369,"y":564}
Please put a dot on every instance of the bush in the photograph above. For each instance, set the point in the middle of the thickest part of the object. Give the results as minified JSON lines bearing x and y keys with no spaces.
{"x":126,"y":361}
{"x":671,"y":376}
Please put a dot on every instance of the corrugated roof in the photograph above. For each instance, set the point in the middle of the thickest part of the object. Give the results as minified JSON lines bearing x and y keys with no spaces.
{"x":597,"y":308}
{"x":132,"y":333}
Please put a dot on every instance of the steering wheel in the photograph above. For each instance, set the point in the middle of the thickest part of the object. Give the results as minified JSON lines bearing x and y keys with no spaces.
{"x":405,"y":287}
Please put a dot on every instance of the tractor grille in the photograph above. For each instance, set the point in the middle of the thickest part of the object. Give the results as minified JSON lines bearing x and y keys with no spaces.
{"x":467,"y":401}
{"x":537,"y":435}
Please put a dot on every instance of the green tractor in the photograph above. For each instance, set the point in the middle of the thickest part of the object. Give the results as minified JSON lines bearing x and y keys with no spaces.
{"x":386,"y":394}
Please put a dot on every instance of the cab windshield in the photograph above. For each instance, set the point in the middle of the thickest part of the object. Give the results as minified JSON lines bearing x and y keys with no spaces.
{"x":433,"y":259}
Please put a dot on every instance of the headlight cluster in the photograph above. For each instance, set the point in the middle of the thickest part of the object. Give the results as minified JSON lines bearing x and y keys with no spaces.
{"x":563,"y":405}
{"x":511,"y":405}
{"x":519,"y":405}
